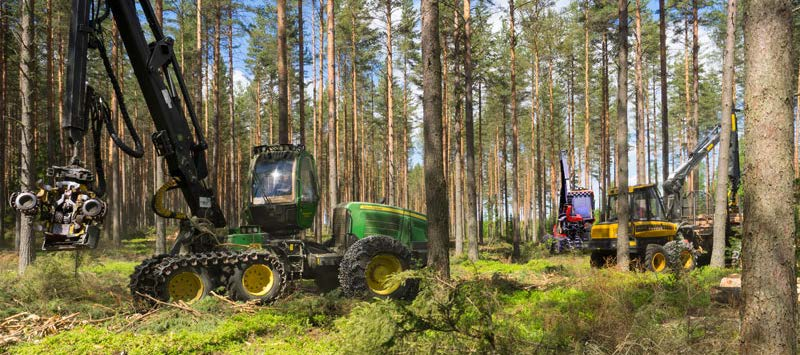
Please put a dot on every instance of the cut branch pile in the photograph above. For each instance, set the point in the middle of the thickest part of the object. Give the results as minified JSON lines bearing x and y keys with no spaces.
{"x":26,"y":326}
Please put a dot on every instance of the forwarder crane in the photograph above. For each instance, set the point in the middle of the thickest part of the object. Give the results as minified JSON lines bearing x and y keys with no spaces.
{"x":661,"y":239}
{"x":252,"y":262}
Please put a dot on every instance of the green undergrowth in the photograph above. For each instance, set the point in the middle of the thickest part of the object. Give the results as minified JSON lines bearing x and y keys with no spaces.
{"x":542,"y":305}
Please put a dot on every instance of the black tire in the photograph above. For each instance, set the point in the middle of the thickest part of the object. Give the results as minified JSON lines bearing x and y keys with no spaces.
{"x":183,"y":279}
{"x":258,"y":277}
{"x":680,"y":256}
{"x":356,"y":262}
{"x":326,"y":278}
{"x":655,"y":258}
{"x":601,"y":259}
{"x":144,"y":283}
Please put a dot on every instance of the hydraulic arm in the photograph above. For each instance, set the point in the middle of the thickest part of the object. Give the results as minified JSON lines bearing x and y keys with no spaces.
{"x":674,"y":183}
{"x":166,"y":95}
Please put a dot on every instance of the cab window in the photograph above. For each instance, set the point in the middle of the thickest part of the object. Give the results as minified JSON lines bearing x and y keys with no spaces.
{"x":273,"y":179}
{"x":308,"y":182}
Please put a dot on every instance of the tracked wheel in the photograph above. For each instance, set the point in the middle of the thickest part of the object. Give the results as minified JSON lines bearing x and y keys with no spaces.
{"x":258,"y":277}
{"x":680,"y":255}
{"x":368,"y":264}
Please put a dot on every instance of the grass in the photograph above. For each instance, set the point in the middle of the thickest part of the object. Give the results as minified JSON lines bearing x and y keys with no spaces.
{"x":544,"y":305}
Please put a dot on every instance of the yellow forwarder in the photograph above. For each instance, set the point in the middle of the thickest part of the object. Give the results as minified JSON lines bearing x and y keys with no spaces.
{"x":664,"y":233}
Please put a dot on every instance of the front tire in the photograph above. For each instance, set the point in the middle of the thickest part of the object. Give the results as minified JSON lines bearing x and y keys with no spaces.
{"x":368,"y":264}
{"x":259,"y":277}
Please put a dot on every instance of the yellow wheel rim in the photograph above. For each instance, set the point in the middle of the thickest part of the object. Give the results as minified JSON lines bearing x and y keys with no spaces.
{"x":659,"y":262}
{"x":378,"y":271}
{"x":258,"y":279}
{"x":185,"y":286}
{"x":686,"y":260}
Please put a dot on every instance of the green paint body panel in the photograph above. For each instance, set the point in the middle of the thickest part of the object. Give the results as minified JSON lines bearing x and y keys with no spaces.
{"x":361,"y":219}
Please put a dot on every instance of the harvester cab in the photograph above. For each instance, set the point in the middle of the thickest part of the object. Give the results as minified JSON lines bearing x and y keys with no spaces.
{"x":284,"y":194}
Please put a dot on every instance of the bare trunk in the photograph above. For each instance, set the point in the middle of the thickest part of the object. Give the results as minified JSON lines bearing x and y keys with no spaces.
{"x":586,"y":164}
{"x":26,"y":237}
{"x":472,"y":206}
{"x":641,"y":152}
{"x":390,"y":172}
{"x":768,"y":248}
{"x":161,"y":233}
{"x":435,"y":185}
{"x":515,"y":134}
{"x":662,"y":34}
{"x":622,"y":138}
{"x":333,"y":183}
{"x":283,"y":76}
{"x":301,"y":82}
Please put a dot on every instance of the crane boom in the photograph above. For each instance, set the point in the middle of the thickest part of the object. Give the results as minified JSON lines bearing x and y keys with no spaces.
{"x":157,"y":71}
{"x":674,"y":183}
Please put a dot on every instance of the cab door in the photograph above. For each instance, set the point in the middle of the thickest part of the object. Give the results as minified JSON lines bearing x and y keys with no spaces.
{"x":308,"y":194}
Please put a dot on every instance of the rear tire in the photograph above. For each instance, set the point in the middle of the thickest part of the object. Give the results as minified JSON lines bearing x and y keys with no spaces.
{"x":655,"y":258}
{"x":367,"y":264}
{"x":258,"y":277}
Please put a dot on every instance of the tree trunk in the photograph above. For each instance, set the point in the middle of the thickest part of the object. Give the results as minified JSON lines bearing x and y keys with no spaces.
{"x":586,"y":164}
{"x":161,"y":232}
{"x":198,"y":73}
{"x":301,"y":82}
{"x":435,"y":184}
{"x":357,"y":196}
{"x":515,"y":134}
{"x":622,"y":138}
{"x":694,"y":126}
{"x":283,"y":76}
{"x":662,"y":34}
{"x":333,"y":183}
{"x":27,"y":47}
{"x":604,"y":132}
{"x":472,"y":206}
{"x":721,"y":194}
{"x":390,"y":173}
{"x":641,"y":152}
{"x":768,"y":265}
{"x":3,"y":125}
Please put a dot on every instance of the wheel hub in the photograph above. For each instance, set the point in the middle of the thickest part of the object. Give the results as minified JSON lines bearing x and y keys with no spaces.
{"x":659,"y":262}
{"x":258,"y":279}
{"x":185,"y":286}
{"x":378,"y":271}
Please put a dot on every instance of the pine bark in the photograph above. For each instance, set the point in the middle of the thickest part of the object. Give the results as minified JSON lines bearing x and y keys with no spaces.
{"x":768,"y":250}
{"x":721,"y":193}
{"x":662,"y":35}
{"x":390,"y":164}
{"x":283,"y":76}
{"x":161,"y":232}
{"x":622,"y":138}
{"x":472,"y":206}
{"x":641,"y":152}
{"x":435,"y":183}
{"x":587,"y":161}
{"x":301,"y":82}
{"x":27,"y":119}
{"x":515,"y":134}
{"x":333,"y":183}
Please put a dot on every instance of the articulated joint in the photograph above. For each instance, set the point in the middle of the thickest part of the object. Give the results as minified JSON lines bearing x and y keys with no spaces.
{"x":157,"y":203}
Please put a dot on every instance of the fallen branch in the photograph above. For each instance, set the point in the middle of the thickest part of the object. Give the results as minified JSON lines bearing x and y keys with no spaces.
{"x":182,"y":306}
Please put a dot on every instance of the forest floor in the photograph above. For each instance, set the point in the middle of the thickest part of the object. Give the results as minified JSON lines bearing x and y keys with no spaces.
{"x":544,"y":305}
